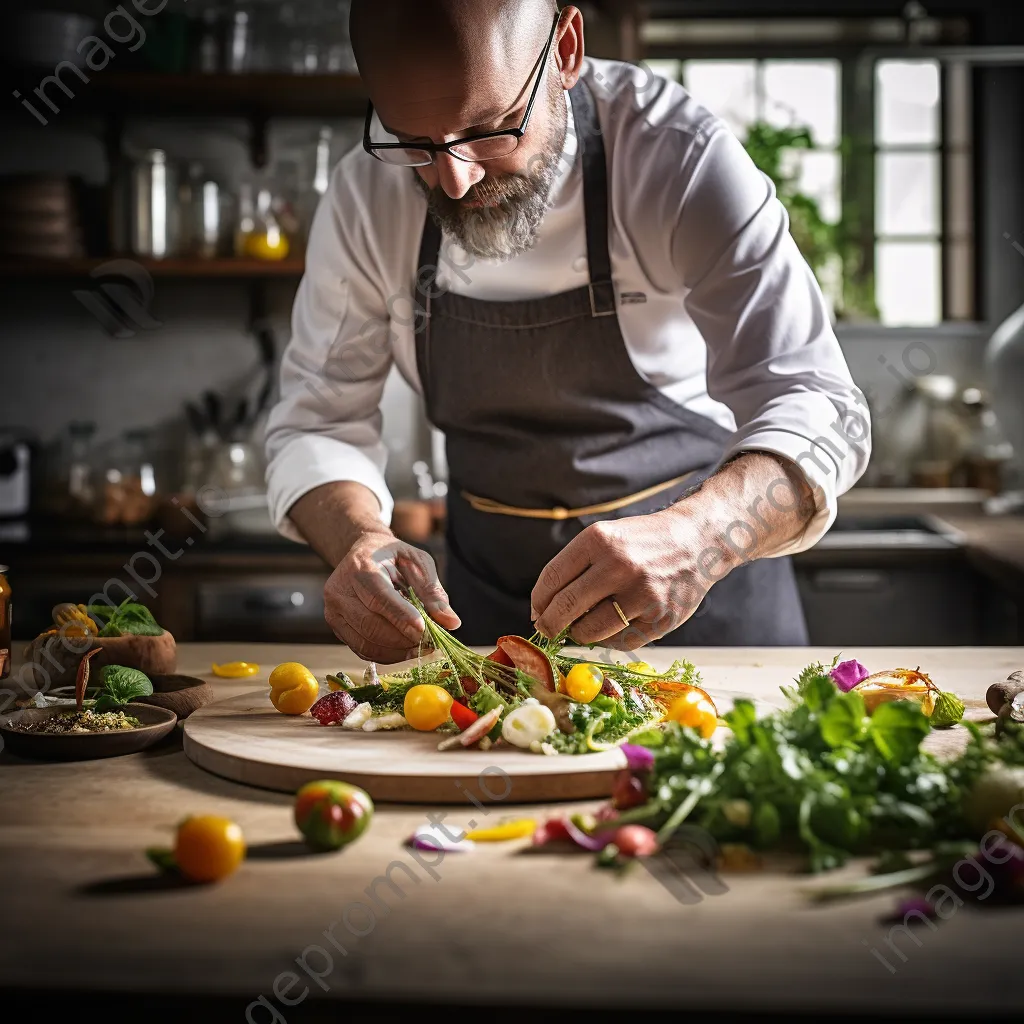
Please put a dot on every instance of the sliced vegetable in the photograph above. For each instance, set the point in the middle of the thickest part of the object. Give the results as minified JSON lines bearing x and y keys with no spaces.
{"x":528,"y":723}
{"x":462,"y":716}
{"x":357,"y":718}
{"x":529,"y":659}
{"x":382,"y":723}
{"x":235,"y":670}
{"x":340,"y":681}
{"x":476,"y":733}
{"x":521,"y":829}
{"x":431,"y":837}
{"x":334,"y":708}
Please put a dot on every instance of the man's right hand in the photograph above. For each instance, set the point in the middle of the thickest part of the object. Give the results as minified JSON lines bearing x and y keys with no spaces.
{"x":364,"y":607}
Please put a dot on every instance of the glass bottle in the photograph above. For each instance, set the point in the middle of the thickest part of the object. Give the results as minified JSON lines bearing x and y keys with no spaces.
{"x":987,"y":451}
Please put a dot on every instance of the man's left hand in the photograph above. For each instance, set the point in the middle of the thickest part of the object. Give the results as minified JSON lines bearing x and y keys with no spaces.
{"x":647,"y":564}
{"x":658,"y":567}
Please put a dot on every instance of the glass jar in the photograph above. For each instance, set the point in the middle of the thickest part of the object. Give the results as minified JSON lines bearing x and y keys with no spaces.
{"x":69,"y":485}
{"x":5,"y":623}
{"x":127,"y":493}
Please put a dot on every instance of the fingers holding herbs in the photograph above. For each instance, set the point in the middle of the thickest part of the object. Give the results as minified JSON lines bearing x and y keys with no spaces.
{"x":364,"y":603}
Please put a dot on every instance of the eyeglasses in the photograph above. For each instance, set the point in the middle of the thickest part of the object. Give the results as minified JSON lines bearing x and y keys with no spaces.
{"x":472,"y":149}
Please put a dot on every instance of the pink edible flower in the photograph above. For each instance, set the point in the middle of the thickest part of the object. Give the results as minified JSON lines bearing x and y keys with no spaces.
{"x":849,"y":674}
{"x":638,"y":759}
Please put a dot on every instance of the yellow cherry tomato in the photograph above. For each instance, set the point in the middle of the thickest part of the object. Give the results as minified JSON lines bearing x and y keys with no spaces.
{"x":584,"y":682}
{"x":293,"y":688}
{"x":235,"y":670}
{"x":208,"y":848}
{"x":694,"y":710}
{"x":641,"y":667}
{"x":427,"y":706}
{"x":522,"y":829}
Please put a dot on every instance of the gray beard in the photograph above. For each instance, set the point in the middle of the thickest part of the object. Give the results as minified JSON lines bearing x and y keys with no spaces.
{"x":510,"y":227}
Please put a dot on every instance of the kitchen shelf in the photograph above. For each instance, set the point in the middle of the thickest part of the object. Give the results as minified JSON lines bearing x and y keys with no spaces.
{"x":185,"y":268}
{"x":155,"y":94}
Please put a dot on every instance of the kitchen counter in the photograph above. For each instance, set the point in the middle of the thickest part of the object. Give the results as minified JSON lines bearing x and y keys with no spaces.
{"x":503,"y":926}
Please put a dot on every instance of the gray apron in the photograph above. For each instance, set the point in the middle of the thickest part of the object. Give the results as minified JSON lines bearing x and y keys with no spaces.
{"x":542,"y":407}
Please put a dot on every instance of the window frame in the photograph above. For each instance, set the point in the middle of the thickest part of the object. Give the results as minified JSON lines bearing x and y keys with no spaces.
{"x":858,"y":50}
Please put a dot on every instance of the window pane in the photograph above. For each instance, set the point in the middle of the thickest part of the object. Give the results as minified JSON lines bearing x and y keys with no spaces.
{"x":907,"y":193}
{"x":908,"y":286}
{"x":818,"y":177}
{"x":907,"y":109}
{"x":670,"y":69}
{"x":804,"y":93}
{"x":726,"y":87}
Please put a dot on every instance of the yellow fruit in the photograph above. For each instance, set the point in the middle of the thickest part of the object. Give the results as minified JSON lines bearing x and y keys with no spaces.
{"x":694,"y":711}
{"x":208,"y":848}
{"x":427,"y":706}
{"x":293,"y":688}
{"x":640,"y":666}
{"x":584,"y":682}
{"x":235,"y":670}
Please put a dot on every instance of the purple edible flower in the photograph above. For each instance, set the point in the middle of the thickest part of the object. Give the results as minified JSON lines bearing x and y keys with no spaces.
{"x":638,"y":759}
{"x":848,"y":674}
{"x":915,"y":905}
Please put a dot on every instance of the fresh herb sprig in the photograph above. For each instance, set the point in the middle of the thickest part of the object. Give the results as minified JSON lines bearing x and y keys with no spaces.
{"x":463,"y":662}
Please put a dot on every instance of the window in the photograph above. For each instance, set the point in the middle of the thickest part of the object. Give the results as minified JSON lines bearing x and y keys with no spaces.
{"x":908,"y":207}
{"x":913,"y":256}
{"x":780,"y":94}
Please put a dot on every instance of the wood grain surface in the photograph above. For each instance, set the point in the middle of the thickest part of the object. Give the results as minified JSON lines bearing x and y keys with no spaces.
{"x":85,"y":911}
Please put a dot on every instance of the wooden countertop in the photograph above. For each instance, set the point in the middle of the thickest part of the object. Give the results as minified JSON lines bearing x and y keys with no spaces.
{"x":500,"y":927}
{"x":995,"y":543}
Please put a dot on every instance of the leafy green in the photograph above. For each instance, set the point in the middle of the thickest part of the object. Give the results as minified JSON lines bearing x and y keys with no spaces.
{"x":128,"y":618}
{"x":844,"y":721}
{"x":897,"y":729}
{"x":121,"y":686}
{"x":822,"y":777}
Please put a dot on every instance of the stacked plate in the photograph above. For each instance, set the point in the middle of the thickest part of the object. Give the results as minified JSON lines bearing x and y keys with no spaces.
{"x":39,"y":218}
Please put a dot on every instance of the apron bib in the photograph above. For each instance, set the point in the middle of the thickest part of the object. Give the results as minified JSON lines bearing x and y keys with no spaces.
{"x":542,"y":407}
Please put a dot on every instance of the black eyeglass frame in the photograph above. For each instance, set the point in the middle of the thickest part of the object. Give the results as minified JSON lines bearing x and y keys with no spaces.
{"x":448,"y":147}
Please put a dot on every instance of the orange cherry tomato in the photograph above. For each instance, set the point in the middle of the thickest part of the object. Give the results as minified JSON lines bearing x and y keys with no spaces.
{"x":208,"y":848}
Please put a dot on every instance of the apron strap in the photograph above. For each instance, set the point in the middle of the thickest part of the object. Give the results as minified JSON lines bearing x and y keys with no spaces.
{"x":595,"y":198}
{"x":595,"y":206}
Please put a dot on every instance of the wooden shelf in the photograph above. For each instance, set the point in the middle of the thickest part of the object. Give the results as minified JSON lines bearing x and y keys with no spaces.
{"x":239,"y":269}
{"x":140,"y":94}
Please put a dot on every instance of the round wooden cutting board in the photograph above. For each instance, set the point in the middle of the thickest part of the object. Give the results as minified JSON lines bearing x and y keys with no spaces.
{"x":245,"y":739}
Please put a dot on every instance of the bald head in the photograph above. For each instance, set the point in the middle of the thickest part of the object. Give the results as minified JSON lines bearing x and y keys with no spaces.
{"x":399,"y":43}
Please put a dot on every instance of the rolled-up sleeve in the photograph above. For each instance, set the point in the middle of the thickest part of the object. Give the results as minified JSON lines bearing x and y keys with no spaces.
{"x":326,"y":427}
{"x":773,"y":357}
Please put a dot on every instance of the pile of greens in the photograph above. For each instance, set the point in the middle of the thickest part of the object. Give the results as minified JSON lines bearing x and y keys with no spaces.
{"x":818,"y":777}
{"x":127,"y":619}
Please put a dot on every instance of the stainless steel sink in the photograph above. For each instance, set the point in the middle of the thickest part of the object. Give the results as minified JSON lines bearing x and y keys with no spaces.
{"x":887,"y":532}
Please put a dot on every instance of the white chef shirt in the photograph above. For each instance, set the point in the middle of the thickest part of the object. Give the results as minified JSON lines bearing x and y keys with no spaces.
{"x":717,"y":307}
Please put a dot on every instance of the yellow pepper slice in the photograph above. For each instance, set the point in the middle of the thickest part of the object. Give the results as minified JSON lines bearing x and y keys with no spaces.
{"x":293,"y":688}
{"x":521,"y":829}
{"x":236,"y":670}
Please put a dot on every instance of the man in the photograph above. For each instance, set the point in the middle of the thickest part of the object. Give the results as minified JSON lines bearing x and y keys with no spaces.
{"x":596,"y":293}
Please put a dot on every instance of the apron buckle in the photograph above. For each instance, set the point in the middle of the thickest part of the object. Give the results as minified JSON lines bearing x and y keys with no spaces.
{"x":559,"y":513}
{"x":607,"y":306}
